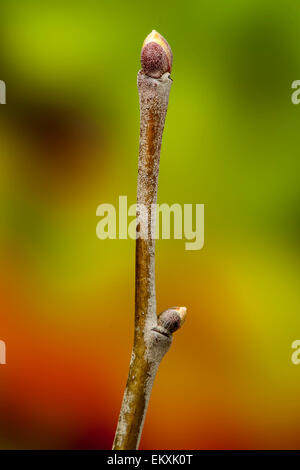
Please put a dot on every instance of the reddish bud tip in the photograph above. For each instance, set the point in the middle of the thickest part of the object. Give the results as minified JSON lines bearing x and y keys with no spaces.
{"x":156,"y":56}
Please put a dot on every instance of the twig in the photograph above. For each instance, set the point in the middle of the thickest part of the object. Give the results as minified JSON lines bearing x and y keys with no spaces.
{"x":153,"y":335}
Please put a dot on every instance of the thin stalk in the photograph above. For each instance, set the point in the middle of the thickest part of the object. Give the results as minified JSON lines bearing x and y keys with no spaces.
{"x":152,"y":334}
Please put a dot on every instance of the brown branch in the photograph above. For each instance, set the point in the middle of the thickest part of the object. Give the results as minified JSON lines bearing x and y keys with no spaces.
{"x":153,"y":335}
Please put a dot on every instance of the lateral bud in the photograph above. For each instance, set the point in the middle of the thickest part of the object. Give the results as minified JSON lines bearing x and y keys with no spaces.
{"x":170,"y":320}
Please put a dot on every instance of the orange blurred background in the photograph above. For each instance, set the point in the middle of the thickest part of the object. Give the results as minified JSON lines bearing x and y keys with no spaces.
{"x":69,"y":142}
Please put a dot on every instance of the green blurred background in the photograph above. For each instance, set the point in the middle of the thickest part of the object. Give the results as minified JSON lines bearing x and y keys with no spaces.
{"x":69,"y":142}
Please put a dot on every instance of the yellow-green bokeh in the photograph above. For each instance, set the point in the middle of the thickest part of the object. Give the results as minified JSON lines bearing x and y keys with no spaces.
{"x":69,"y":142}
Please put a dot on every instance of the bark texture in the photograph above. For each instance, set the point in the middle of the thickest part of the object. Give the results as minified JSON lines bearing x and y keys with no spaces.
{"x":152,"y":336}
